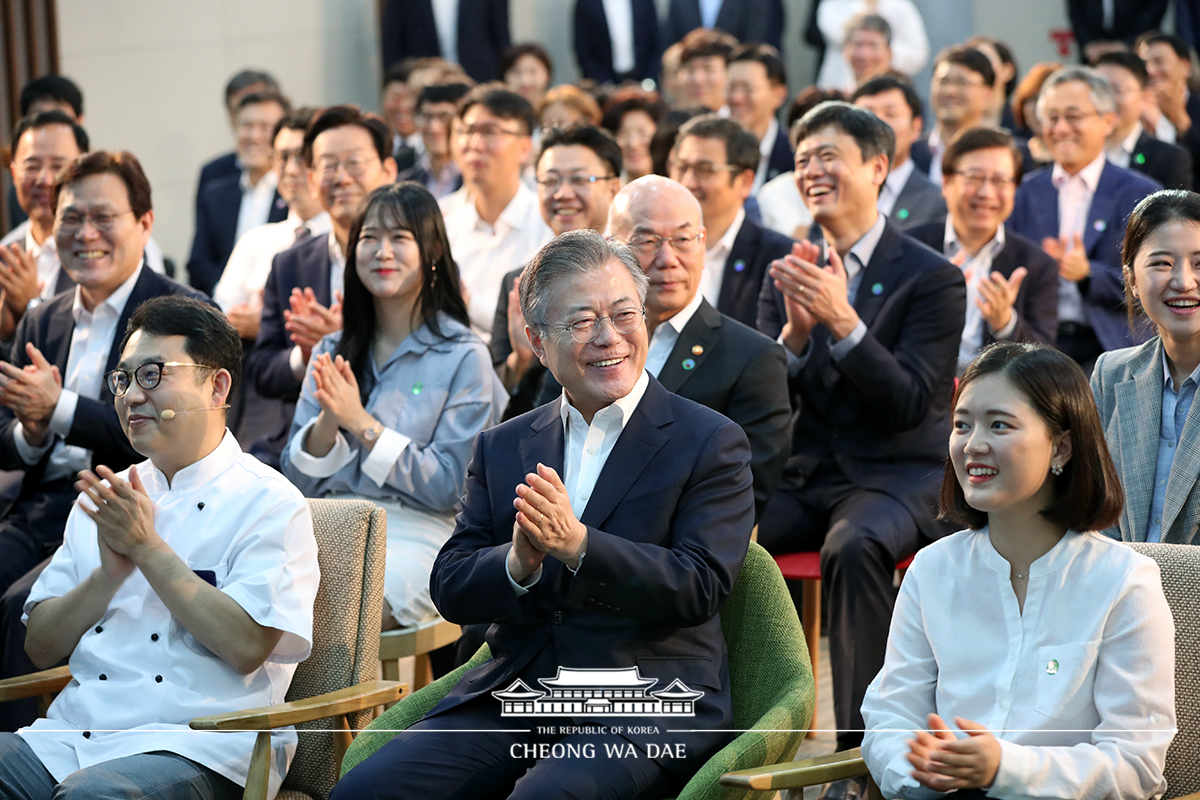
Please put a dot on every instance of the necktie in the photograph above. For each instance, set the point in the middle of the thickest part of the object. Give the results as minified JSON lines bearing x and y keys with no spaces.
{"x":302,"y":233}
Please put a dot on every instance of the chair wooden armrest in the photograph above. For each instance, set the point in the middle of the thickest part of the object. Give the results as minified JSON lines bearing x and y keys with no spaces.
{"x":798,"y":774}
{"x":47,"y":681}
{"x":332,"y":704}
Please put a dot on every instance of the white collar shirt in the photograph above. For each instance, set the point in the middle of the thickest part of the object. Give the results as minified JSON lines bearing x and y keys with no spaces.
{"x":586,"y":448}
{"x":893,"y":186}
{"x":709,"y":11}
{"x":937,"y":148}
{"x":975,"y":267}
{"x":766,"y":146}
{"x":485,"y":253}
{"x":139,"y":675}
{"x":1075,"y":193}
{"x":619,"y":16}
{"x":1079,"y":693}
{"x":91,"y":343}
{"x":666,"y":334}
{"x":1121,"y":153}
{"x":445,"y":21}
{"x":255,"y":209}
{"x":716,"y":258}
{"x":249,"y":264}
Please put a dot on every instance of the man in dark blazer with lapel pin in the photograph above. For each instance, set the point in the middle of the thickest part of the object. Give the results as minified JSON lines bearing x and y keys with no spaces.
{"x":410,"y":29}
{"x":908,"y":197}
{"x":595,"y":43}
{"x":348,"y":154}
{"x":716,"y":158}
{"x":1012,"y":284}
{"x":1076,"y":107}
{"x":1169,"y":64}
{"x":603,"y":531}
{"x":746,"y":20}
{"x":236,"y":203}
{"x":56,"y":416}
{"x":872,"y":329}
{"x":1130,"y":145}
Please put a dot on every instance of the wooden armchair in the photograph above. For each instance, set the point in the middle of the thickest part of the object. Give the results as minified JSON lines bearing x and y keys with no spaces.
{"x":335,"y":687}
{"x":1180,"y":567}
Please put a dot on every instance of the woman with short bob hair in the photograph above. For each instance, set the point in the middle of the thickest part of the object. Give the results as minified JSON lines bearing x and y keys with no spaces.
{"x":1033,"y":656}
{"x":1145,"y":392}
{"x":392,"y":403}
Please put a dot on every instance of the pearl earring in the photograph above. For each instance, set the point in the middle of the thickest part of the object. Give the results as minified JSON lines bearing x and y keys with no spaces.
{"x":1056,"y":469}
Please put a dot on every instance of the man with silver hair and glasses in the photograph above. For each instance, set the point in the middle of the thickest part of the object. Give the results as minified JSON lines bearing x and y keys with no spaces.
{"x":602,"y":531}
{"x":1077,"y":208}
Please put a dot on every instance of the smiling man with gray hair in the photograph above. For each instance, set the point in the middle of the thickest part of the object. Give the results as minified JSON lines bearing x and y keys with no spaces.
{"x":602,"y":531}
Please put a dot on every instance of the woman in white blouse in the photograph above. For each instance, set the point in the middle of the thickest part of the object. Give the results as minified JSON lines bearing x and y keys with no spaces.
{"x":1031,"y":657}
{"x":910,"y":45}
{"x":392,"y":404}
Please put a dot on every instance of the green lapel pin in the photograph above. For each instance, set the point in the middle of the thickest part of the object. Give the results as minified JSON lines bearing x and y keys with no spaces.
{"x":1140,"y":158}
{"x":689,"y":363}
{"x":877,"y":289}
{"x":417,"y":387}
{"x":902,"y":213}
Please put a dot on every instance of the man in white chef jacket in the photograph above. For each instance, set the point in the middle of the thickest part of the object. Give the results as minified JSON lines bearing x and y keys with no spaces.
{"x":184,"y":587}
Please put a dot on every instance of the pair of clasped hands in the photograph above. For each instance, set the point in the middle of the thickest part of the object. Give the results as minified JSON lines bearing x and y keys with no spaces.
{"x":814,"y":294}
{"x":943,"y":762}
{"x":545,"y":525}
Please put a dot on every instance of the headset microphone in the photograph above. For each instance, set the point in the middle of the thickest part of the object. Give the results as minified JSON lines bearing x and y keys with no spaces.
{"x":171,"y":414}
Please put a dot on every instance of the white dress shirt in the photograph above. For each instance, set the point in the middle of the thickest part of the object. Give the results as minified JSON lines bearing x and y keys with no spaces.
{"x":666,"y":334}
{"x":782,"y":207}
{"x":709,"y":11}
{"x":255,"y":209}
{"x":937,"y":148}
{"x":91,"y":342}
{"x":249,"y":264}
{"x":445,"y":20}
{"x":485,"y":253}
{"x":586,"y":449}
{"x":976,"y":268}
{"x":138,"y":675}
{"x":716,"y":257}
{"x":619,"y":16}
{"x":766,"y":146}
{"x":48,"y":263}
{"x":893,"y":186}
{"x":1075,"y":194}
{"x":1078,"y":686}
{"x":1122,"y":153}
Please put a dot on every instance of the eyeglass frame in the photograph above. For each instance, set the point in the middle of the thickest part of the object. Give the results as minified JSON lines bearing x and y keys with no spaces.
{"x":575,"y":181}
{"x":103,"y":222}
{"x":639,"y":247}
{"x":1073,"y":121}
{"x":330,"y":170}
{"x":976,"y":180}
{"x":488,"y":135}
{"x":131,"y":375}
{"x":597,"y":325}
{"x":703,"y":170}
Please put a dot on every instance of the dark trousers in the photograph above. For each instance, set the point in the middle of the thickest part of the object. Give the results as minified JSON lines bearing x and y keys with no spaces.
{"x":29,"y":534}
{"x":861,"y":535}
{"x":472,"y":752}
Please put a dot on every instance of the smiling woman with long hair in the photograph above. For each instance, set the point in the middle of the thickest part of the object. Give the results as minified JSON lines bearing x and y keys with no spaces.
{"x":1145,"y":393}
{"x":1033,"y":656}
{"x":391,"y":405}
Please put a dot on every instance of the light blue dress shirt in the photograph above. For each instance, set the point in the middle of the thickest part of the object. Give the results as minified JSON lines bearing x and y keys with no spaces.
{"x":1175,"y":407}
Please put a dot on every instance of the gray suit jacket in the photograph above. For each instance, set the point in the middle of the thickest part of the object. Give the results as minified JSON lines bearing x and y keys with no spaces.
{"x":1128,"y":385}
{"x":919,"y":202}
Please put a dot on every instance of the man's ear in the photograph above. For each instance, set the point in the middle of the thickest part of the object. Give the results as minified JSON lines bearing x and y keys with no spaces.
{"x":222,"y":382}
{"x":538,"y":343}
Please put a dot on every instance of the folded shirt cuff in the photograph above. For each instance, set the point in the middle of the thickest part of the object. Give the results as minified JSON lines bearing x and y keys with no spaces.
{"x":323,"y":466}
{"x":64,"y":413}
{"x":29,"y":454}
{"x":1015,"y":764}
{"x":795,"y":363}
{"x":839,"y":350}
{"x":520,"y":590}
{"x":383,"y":456}
{"x":296,"y":362}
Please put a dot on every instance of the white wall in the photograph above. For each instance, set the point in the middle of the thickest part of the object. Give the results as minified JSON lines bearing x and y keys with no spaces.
{"x":153,"y":74}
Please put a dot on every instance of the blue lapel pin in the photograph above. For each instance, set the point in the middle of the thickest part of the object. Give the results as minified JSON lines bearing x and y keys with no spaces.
{"x":1100,"y":225}
{"x":739,"y":265}
{"x":689,"y":363}
{"x":877,"y":289}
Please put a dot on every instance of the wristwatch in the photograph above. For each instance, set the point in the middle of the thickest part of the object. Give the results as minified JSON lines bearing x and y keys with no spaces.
{"x":372,"y":431}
